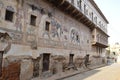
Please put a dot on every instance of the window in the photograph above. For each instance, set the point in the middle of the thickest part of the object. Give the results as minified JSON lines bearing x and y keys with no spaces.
{"x":100,"y":23}
{"x":92,"y":16}
{"x":72,"y":1}
{"x":84,"y":8}
{"x":77,"y":37}
{"x":79,"y":3}
{"x":33,"y":20}
{"x":47,"y":26}
{"x":9,"y":15}
{"x":95,"y":19}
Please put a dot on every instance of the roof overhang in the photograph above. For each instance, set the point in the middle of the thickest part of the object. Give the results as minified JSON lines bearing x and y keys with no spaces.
{"x":72,"y":11}
{"x":97,"y":8}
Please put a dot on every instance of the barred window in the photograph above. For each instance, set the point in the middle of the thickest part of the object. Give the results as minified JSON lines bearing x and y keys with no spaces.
{"x":79,"y":3}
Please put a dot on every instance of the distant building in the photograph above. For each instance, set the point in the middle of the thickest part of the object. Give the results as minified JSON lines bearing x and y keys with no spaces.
{"x":115,"y":49}
{"x":48,"y":36}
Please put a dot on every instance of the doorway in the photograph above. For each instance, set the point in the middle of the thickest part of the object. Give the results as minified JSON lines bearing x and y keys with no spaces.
{"x":46,"y":62}
{"x":71,"y":58}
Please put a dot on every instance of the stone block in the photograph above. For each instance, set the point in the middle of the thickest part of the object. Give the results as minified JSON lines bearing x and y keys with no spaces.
{"x":26,"y":70}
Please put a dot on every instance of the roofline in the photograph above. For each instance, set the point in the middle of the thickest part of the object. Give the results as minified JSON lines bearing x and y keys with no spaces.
{"x":98,"y":9}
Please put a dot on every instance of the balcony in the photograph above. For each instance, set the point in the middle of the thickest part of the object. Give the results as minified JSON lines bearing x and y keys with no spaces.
{"x":100,"y":43}
{"x":99,"y":39}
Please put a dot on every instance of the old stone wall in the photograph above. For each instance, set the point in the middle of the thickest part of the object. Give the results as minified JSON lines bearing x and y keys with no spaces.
{"x":64,"y":33}
{"x":17,"y":68}
{"x":26,"y":70}
{"x":39,"y":28}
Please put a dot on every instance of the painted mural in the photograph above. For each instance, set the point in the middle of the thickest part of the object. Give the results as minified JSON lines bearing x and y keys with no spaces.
{"x":19,"y":18}
{"x":56,"y":29}
{"x":59,"y":32}
{"x":65,"y":33}
{"x":74,"y":36}
{"x":16,"y":36}
{"x":31,"y":30}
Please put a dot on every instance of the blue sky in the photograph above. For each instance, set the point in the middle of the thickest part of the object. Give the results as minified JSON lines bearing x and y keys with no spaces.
{"x":111,"y":10}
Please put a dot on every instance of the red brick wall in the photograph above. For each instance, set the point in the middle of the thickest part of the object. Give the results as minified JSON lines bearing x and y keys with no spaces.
{"x":11,"y":72}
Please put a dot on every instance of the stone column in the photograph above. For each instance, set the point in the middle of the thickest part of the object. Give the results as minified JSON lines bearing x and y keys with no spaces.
{"x":26,"y":70}
{"x":59,"y":67}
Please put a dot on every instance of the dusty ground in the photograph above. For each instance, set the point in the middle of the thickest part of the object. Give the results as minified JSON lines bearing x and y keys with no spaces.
{"x":110,"y":72}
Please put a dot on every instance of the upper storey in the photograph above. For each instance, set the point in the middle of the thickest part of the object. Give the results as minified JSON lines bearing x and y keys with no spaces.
{"x":85,"y":11}
{"x":91,"y":10}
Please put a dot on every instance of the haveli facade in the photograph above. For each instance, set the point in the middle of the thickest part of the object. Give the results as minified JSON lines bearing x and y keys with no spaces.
{"x":48,"y":36}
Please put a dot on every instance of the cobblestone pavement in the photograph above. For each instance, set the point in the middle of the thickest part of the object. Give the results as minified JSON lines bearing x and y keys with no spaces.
{"x":110,"y":72}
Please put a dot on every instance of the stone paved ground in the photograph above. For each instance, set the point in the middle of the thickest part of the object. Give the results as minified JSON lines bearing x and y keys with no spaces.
{"x":111,"y":72}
